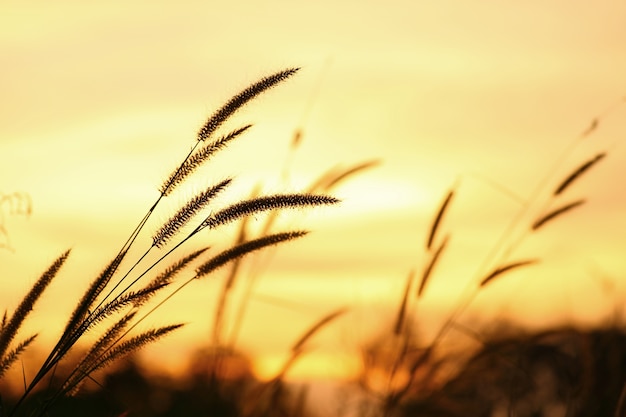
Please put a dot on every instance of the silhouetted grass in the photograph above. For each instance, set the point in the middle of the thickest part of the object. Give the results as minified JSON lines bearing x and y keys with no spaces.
{"x":503,"y":378}
{"x":557,"y":372}
{"x":119,"y":296}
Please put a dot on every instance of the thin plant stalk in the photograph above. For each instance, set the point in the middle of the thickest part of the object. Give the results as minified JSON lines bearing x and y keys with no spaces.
{"x":75,"y":330}
{"x":470,"y":290}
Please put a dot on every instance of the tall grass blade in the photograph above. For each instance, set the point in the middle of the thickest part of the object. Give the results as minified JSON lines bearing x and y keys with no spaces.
{"x":316,"y":327}
{"x":334,"y":176}
{"x":557,"y":212}
{"x":499,"y":271}
{"x":438,"y":217}
{"x":242,"y":235}
{"x":431,"y":265}
{"x":593,"y":125}
{"x":577,"y":173}
{"x":403,"y":305}
{"x":297,"y":348}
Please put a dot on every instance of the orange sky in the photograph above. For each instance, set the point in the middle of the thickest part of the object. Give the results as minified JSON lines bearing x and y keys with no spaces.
{"x":100,"y":102}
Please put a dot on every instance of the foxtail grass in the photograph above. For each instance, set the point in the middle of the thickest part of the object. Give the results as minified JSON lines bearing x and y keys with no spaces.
{"x":122,"y":291}
{"x":544,"y":206}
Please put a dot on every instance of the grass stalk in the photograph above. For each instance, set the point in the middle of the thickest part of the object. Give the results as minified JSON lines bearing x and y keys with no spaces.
{"x":108,"y":295}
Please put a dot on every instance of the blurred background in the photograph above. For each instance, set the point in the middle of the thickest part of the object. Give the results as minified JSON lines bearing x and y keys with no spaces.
{"x":99,"y":102}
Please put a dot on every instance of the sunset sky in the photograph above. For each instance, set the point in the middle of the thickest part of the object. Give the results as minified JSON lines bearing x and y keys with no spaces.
{"x":100,"y":102}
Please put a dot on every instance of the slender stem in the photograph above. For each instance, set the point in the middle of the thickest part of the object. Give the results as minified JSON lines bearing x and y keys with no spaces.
{"x":65,"y":342}
{"x":140,"y":226}
{"x":499,"y":252}
{"x":534,"y":197}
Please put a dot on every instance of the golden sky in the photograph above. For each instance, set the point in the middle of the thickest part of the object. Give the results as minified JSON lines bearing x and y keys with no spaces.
{"x":99,"y":102}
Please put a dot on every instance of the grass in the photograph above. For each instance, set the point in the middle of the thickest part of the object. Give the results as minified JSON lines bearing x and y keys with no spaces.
{"x":120,"y":295}
{"x":501,"y":377}
{"x":561,"y":372}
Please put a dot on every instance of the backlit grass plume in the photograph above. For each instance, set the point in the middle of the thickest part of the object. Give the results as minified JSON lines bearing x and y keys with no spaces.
{"x":243,"y":249}
{"x":260,"y":204}
{"x":240,"y":99}
{"x":10,"y":327}
{"x":195,"y":160}
{"x":186,"y":213}
{"x":121,"y":292}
